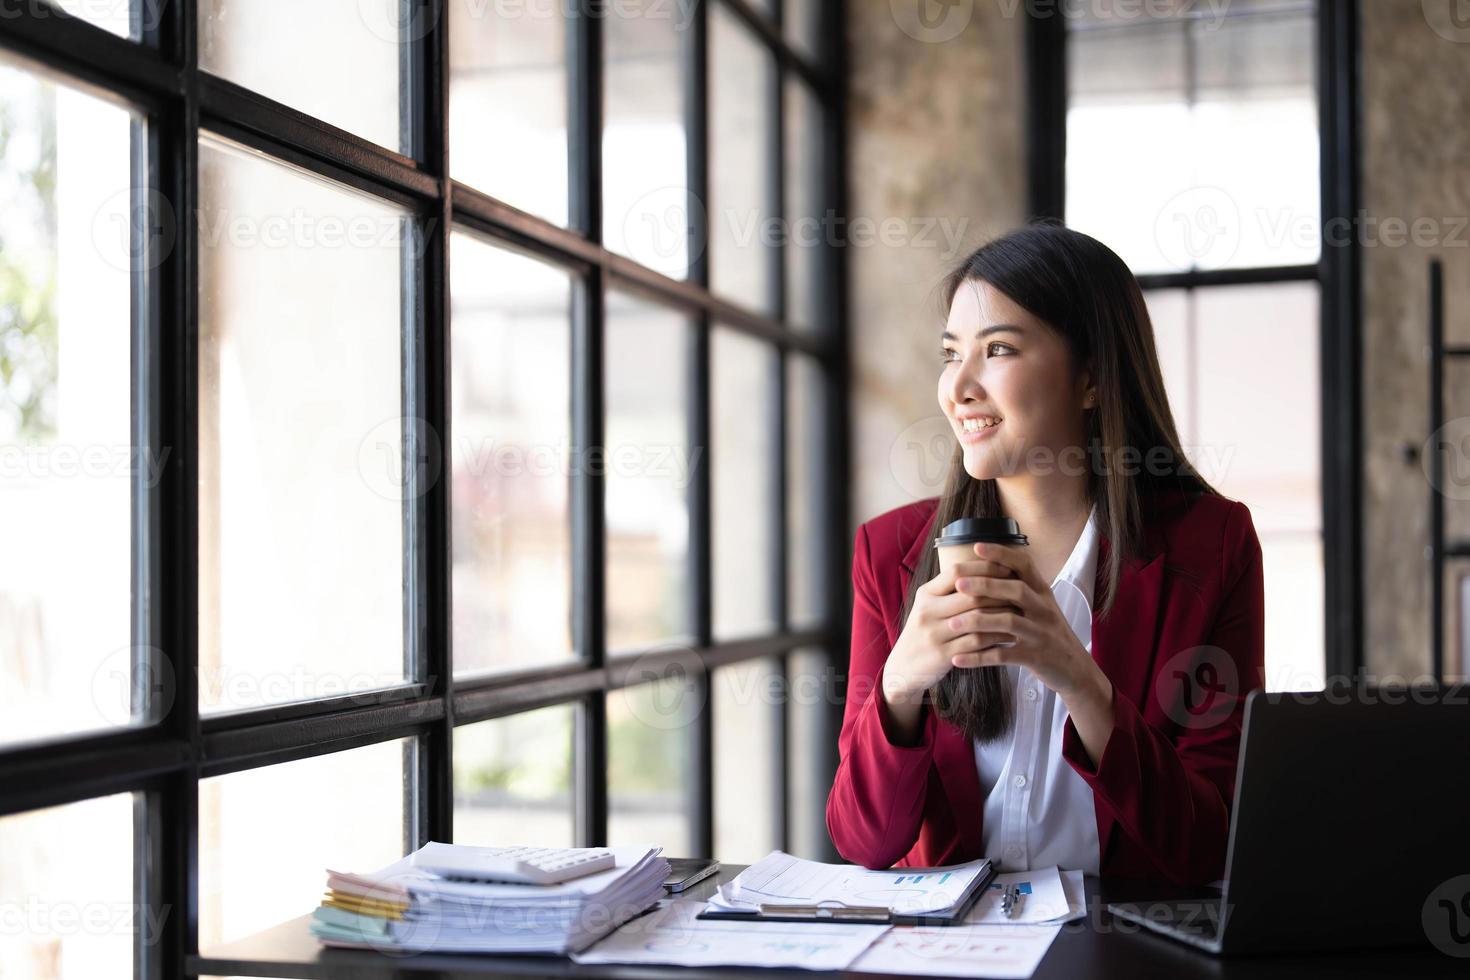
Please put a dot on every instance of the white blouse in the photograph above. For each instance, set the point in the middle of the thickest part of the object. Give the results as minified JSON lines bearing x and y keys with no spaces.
{"x":1038,"y":812}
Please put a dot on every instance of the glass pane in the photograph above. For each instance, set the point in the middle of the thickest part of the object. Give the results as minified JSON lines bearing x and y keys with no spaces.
{"x":268,"y":836}
{"x":742,"y":180}
{"x":336,"y":61}
{"x":811,"y":750}
{"x":748,"y":700}
{"x":513,"y":779}
{"x":743,"y":492}
{"x":646,"y":211}
{"x":649,"y":774}
{"x":804,"y":27}
{"x":508,"y":102}
{"x":1264,"y":410}
{"x":114,"y":16}
{"x":1457,"y":621}
{"x":1252,"y":430}
{"x":300,"y":434}
{"x":1219,"y":121}
{"x":649,"y":471}
{"x":66,"y":893}
{"x":1171,"y":310}
{"x":808,"y":248}
{"x":67,"y":244}
{"x":1455,"y":448}
{"x":510,"y":361}
{"x":807,"y":491}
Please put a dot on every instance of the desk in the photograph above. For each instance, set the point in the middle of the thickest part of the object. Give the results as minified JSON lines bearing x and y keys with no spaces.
{"x":1096,"y":946}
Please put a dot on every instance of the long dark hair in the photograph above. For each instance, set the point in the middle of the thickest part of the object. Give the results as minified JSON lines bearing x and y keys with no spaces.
{"x":1084,"y":291}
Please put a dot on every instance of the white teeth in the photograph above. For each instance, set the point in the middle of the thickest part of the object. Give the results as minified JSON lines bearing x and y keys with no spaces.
{"x":975,"y":425}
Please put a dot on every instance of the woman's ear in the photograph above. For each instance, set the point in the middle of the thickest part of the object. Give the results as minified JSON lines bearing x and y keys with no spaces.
{"x":1089,"y":390}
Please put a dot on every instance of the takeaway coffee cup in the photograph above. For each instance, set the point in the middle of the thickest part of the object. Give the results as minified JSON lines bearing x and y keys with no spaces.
{"x":956,"y":543}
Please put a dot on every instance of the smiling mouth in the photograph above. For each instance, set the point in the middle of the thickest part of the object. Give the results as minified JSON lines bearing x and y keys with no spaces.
{"x":980,"y":424}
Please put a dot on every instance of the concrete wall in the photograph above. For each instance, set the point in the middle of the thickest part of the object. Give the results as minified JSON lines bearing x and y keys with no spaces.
{"x":1416,"y":156}
{"x":936,"y":158}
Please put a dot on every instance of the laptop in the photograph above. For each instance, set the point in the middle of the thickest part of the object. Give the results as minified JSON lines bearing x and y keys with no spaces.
{"x":1351,"y":810}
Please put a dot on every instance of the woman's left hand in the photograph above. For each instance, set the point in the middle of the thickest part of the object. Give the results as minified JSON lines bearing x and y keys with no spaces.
{"x":1045,"y":643}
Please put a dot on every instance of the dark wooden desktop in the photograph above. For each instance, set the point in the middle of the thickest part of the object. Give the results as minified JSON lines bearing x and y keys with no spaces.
{"x":1096,"y":946}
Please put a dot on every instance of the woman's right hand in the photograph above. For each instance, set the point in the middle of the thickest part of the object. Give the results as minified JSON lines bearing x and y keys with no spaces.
{"x":927,"y":644}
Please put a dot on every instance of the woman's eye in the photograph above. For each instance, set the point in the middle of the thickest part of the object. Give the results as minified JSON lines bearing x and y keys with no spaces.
{"x":990,"y":348}
{"x":945,"y":354}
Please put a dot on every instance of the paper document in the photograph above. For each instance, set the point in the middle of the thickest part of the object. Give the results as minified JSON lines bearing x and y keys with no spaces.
{"x":1043,"y":899}
{"x":1076,"y":897}
{"x":780,"y":879}
{"x":998,"y":952}
{"x":672,"y":936}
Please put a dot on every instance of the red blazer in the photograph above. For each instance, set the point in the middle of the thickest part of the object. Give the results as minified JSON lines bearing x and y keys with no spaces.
{"x":1183,"y":645}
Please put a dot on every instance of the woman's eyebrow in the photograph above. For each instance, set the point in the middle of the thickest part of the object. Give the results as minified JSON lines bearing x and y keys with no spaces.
{"x":999,"y":327}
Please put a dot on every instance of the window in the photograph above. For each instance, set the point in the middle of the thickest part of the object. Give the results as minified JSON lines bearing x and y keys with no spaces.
{"x":66,"y":885}
{"x":1166,"y":117}
{"x":400,"y":451}
{"x":65,"y":444}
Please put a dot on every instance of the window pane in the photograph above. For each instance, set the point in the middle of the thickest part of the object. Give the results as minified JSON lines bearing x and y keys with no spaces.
{"x":513,"y":779}
{"x":811,"y":750}
{"x":300,"y":434}
{"x":648,"y":474}
{"x":807,"y":247}
{"x":114,"y":16}
{"x":646,"y":211}
{"x":510,"y":350}
{"x":66,"y":892}
{"x":1251,"y":426}
{"x":508,"y":102}
{"x":66,"y":456}
{"x":1218,"y":124}
{"x":650,"y":467}
{"x":743,"y":495}
{"x":742,"y":83}
{"x":336,"y":61}
{"x":649,"y":775}
{"x":807,"y":491}
{"x":747,"y":700}
{"x":268,"y":836}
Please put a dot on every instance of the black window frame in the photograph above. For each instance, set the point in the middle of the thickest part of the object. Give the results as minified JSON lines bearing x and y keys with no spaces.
{"x":1338,"y":272}
{"x":162,"y":760}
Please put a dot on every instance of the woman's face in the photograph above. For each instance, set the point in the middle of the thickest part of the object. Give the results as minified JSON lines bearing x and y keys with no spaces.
{"x":1007,"y":384}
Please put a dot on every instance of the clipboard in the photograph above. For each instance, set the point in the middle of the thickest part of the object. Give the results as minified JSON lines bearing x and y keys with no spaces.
{"x":835,"y":911}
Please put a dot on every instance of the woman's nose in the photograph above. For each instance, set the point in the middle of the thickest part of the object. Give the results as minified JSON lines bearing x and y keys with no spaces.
{"x":963,"y":383}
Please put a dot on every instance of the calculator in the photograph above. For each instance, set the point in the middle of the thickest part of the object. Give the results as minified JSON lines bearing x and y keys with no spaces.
{"x":519,"y":865}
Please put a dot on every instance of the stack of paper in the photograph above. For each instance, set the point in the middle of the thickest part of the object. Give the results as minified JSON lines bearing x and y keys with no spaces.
{"x":402,"y":907}
{"x":780,"y":879}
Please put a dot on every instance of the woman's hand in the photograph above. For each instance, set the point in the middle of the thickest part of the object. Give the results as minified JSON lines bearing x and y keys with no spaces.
{"x":1044,"y":641}
{"x":929,"y":643}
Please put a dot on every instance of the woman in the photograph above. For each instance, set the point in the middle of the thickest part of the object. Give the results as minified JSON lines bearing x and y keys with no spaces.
{"x":1103,"y":734}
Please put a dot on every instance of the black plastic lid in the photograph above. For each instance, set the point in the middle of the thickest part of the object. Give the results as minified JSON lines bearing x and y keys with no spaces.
{"x":968,"y":530}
